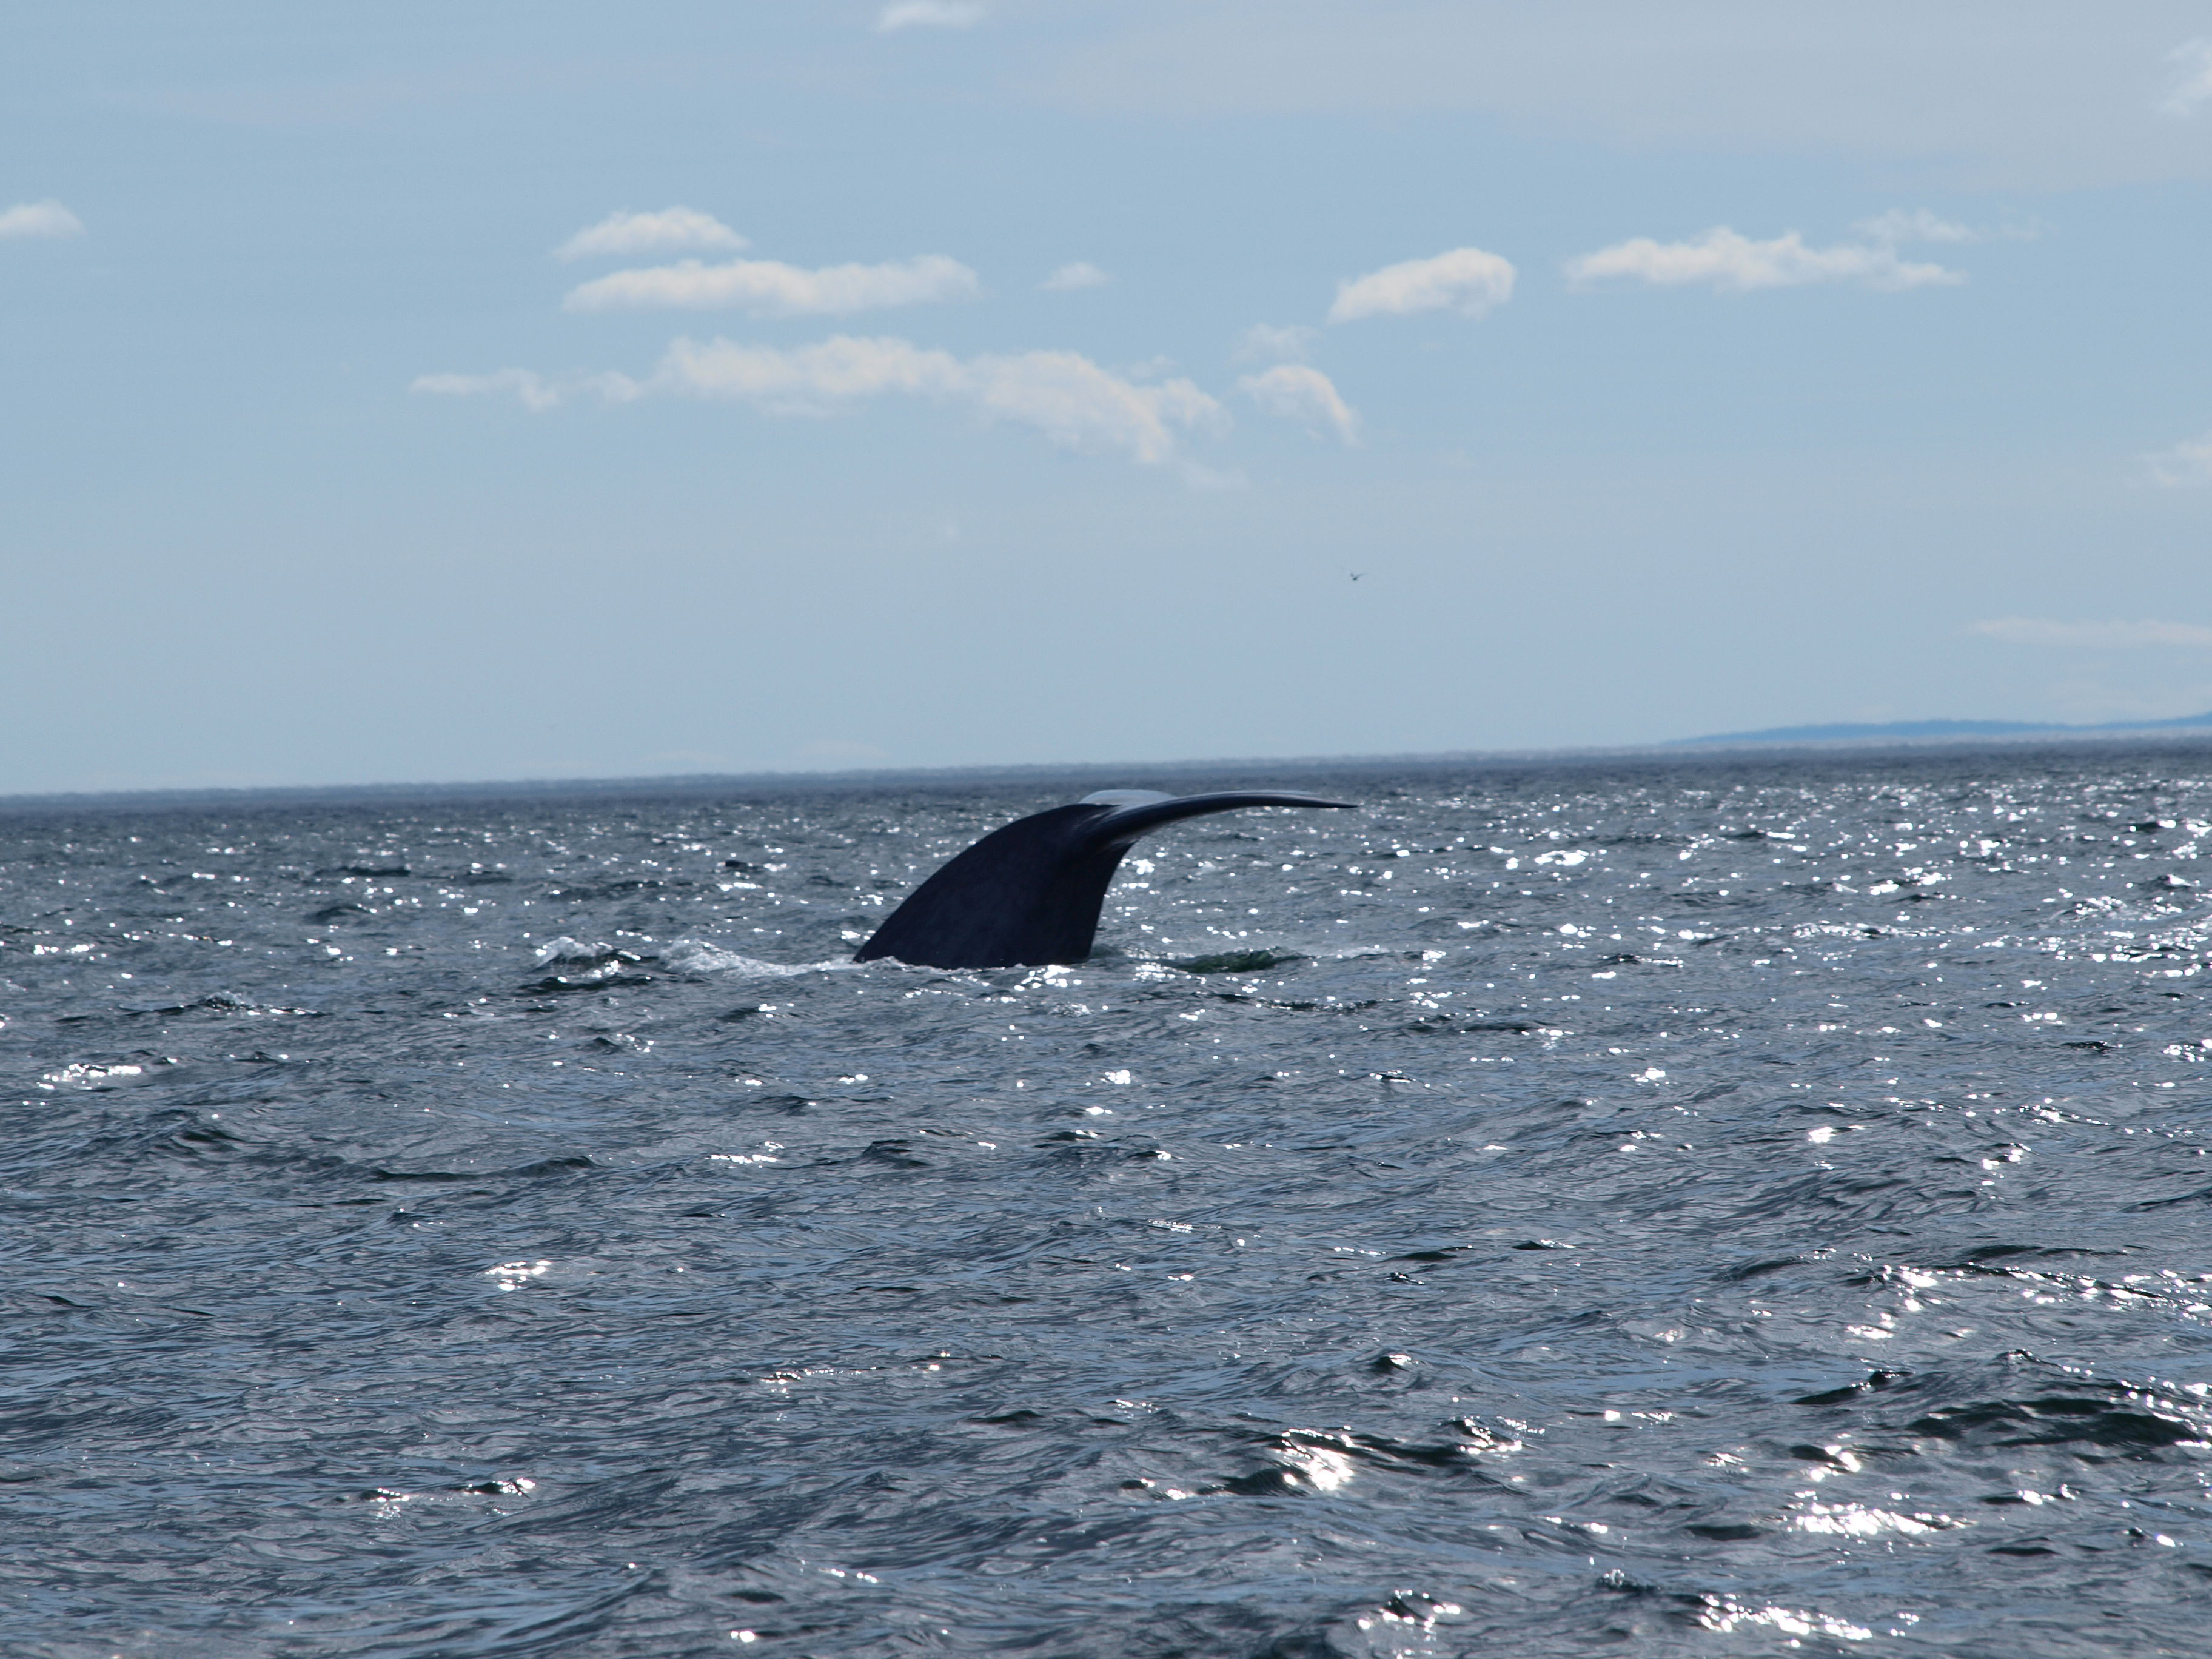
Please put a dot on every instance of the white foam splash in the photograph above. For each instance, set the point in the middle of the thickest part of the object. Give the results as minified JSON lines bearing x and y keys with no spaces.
{"x":1315,"y":1466}
{"x":697,"y":956}
{"x":565,"y":948}
{"x":81,"y":1074}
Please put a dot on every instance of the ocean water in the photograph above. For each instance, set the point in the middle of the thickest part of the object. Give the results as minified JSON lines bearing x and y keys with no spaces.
{"x":1699,"y":1209}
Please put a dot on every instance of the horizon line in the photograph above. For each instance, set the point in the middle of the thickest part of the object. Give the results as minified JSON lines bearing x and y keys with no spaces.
{"x":1904,"y":737}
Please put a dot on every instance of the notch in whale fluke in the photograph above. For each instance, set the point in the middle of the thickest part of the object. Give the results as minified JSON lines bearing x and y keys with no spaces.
{"x":1030,"y":894}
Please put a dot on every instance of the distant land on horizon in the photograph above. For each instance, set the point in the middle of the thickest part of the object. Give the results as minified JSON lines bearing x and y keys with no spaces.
{"x":1910,"y":729}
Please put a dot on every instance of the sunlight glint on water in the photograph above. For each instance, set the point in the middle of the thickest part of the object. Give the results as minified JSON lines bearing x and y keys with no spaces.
{"x":1686,"y":1207}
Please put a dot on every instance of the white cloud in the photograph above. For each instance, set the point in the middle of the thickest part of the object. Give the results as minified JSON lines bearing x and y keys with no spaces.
{"x":2102,"y":635}
{"x":768,"y":288}
{"x":1079,"y":274}
{"x":1897,"y":226}
{"x":1071,"y":400}
{"x":1263,"y":343}
{"x":40,"y":219}
{"x":2194,"y":59}
{"x":1297,"y":393}
{"x":1918,"y":226}
{"x":537,"y":393}
{"x":2189,"y":462}
{"x":928,"y":15}
{"x":1466,"y":280}
{"x":1733,"y":261}
{"x":671,"y":230}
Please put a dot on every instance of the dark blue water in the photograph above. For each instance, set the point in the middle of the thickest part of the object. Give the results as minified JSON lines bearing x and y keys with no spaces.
{"x":1712,"y":1210}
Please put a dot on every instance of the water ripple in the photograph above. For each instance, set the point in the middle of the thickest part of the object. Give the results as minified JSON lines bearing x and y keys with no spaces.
{"x":1548,"y":1210}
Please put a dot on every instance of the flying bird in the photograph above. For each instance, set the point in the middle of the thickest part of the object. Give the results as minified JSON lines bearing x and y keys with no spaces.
{"x":1030,"y":894}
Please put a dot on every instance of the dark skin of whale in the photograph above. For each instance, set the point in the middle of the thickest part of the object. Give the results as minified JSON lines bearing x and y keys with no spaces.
{"x":1029,"y":894}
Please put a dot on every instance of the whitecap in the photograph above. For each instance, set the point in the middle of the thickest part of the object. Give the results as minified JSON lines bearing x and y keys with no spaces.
{"x":1316,"y":1466}
{"x":83,"y":1074}
{"x":697,"y":956}
{"x":565,"y":948}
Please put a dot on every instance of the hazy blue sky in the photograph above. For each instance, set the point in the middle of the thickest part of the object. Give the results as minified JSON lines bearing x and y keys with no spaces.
{"x":412,"y":392}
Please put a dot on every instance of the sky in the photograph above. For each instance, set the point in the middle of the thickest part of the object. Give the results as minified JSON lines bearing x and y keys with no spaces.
{"x":413,"y":393}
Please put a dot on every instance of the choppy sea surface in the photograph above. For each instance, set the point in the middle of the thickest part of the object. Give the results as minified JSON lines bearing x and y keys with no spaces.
{"x":1714,"y":1208}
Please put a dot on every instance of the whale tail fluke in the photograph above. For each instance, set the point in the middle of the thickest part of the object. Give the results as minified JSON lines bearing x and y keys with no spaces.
{"x":1030,"y":894}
